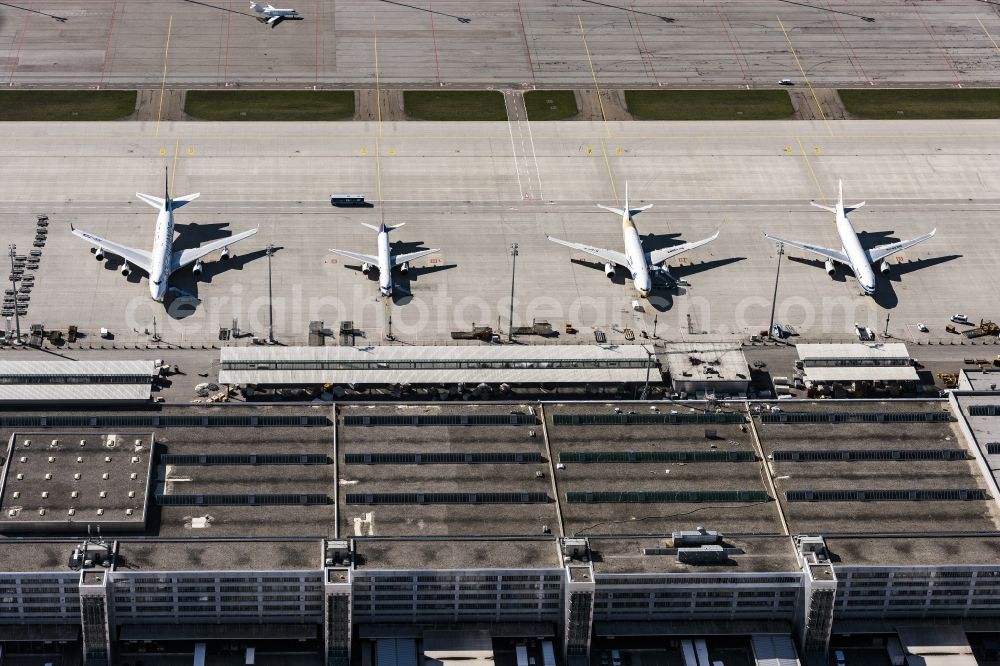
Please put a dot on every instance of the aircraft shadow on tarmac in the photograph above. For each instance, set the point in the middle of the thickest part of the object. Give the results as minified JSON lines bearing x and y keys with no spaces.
{"x":402,"y":282}
{"x":885,"y":293}
{"x":181,"y":306}
{"x":403,"y":291}
{"x":661,"y":298}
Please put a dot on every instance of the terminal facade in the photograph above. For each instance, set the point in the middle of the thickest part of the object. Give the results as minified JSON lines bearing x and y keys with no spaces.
{"x":327,"y":528}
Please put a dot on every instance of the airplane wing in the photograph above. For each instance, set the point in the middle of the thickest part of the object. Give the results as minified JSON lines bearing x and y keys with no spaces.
{"x":883,"y":251}
{"x":599,"y":252}
{"x":139,"y":258}
{"x":835,"y":255}
{"x":657,"y":257}
{"x":184,"y":257}
{"x":356,"y":256}
{"x":399,"y":260}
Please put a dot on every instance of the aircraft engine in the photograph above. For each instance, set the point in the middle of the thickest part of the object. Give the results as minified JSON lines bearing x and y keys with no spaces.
{"x":404,"y":268}
{"x":226,"y":254}
{"x":366,"y":268}
{"x":884,"y":267}
{"x":609,"y":270}
{"x":830,"y":268}
{"x":198,"y":268}
{"x":99,"y":255}
{"x":126,"y":269}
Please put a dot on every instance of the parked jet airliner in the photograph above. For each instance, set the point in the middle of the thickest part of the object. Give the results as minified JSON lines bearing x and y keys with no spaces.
{"x":851,"y":254}
{"x":385,"y":261}
{"x":641,"y":264}
{"x":162,"y":261}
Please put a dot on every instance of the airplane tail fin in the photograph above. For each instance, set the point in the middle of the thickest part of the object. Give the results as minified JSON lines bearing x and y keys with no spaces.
{"x":384,"y":227}
{"x":826,"y":208}
{"x":155,"y":202}
{"x":257,"y":8}
{"x":610,"y":209}
{"x":840,"y":199}
{"x":626,"y":211}
{"x":186,"y":199}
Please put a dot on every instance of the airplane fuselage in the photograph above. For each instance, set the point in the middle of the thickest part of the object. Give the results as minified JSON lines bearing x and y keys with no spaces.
{"x":636,"y":257}
{"x":162,"y":254}
{"x":384,"y":264}
{"x":860,"y":265}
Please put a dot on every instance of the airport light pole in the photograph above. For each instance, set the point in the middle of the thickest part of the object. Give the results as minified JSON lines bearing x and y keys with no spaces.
{"x":513,"y":268}
{"x":774,"y":299}
{"x":649,"y":364}
{"x":12,"y":249}
{"x":270,"y":295}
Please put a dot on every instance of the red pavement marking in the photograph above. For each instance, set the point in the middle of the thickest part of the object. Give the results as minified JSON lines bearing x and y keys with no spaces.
{"x":20,"y":43}
{"x":107,"y":46}
{"x":732,"y":43}
{"x":225,"y":66}
{"x":527,"y":50}
{"x":645,"y":48}
{"x":854,"y":56}
{"x":437,"y":64}
{"x":316,"y":6}
{"x":944,"y":53}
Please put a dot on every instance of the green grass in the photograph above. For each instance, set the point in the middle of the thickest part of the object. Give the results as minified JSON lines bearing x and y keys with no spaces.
{"x":922,"y":104}
{"x":66,"y":104}
{"x":550,"y":104}
{"x":709,"y":104}
{"x":455,"y":104}
{"x":271,"y":105}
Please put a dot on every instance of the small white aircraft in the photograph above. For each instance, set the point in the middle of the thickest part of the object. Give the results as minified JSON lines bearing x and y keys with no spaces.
{"x":274,"y":15}
{"x":851,"y":254}
{"x":640,"y":263}
{"x":162,"y":261}
{"x":385,"y":261}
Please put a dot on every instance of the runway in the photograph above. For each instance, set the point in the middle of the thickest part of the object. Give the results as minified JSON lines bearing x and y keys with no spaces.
{"x":504,"y":43}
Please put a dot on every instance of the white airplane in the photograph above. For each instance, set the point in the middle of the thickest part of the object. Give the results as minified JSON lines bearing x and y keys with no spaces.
{"x":851,"y":254}
{"x":384,"y":262}
{"x":162,"y":261}
{"x":274,"y":15}
{"x":640,"y":263}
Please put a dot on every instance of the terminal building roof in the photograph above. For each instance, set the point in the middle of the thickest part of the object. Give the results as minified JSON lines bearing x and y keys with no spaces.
{"x":470,"y":364}
{"x":493,"y":485}
{"x":66,"y":382}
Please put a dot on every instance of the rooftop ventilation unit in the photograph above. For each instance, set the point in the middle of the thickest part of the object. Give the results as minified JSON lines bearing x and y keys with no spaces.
{"x":698,"y":537}
{"x":702,"y":555}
